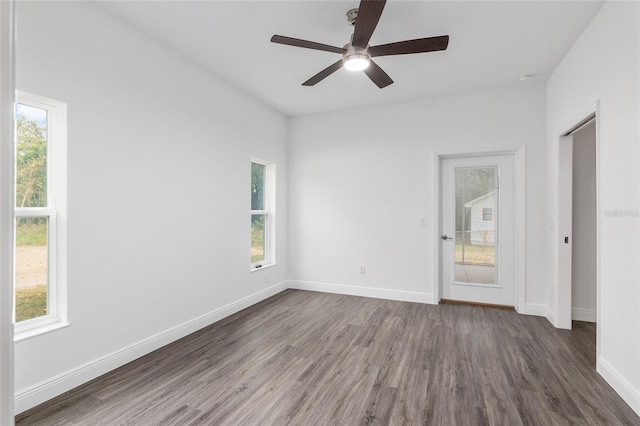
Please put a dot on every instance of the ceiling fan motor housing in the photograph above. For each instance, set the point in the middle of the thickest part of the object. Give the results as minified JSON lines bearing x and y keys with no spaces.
{"x":354,"y":52}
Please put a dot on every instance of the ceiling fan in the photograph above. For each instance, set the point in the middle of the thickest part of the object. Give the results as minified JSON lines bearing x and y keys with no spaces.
{"x":356,"y":55}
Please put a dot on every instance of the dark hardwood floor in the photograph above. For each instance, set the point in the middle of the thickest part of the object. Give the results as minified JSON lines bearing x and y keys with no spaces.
{"x":311,"y":358}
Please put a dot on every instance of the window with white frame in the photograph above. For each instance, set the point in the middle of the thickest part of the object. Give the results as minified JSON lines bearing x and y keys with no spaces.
{"x":487,"y":214}
{"x":40,"y":198}
{"x":262,"y":214}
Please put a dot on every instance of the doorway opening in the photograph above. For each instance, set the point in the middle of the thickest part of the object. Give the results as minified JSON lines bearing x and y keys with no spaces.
{"x":583,"y":250}
{"x":578,"y":224}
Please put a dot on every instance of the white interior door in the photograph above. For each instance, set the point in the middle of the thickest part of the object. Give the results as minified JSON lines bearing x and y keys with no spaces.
{"x":478,"y":229}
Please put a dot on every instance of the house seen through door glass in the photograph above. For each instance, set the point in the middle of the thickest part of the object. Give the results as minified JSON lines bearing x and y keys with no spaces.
{"x":476,"y":220}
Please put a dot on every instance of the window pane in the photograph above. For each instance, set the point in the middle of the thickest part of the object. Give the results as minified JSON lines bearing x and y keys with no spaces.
{"x":32,"y":264}
{"x":257,"y":237}
{"x":475,"y":227}
{"x":31,"y":156}
{"x":257,"y":186}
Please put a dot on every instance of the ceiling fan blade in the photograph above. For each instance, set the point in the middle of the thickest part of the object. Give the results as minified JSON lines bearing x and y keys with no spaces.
{"x":377,"y":75}
{"x":369,"y":14}
{"x":323,"y":74}
{"x":290,"y":41}
{"x":419,"y":45}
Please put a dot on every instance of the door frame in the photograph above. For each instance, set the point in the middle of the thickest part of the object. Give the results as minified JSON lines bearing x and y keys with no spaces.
{"x":519,"y":171}
{"x":560,"y":260}
{"x":7,"y":91}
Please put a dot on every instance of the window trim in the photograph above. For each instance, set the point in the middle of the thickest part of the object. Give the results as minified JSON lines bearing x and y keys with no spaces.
{"x":269,"y":210}
{"x":56,"y":213}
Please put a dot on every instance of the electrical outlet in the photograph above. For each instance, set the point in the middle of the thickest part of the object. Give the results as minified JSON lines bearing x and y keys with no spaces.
{"x":266,"y":278}
{"x":423,"y":222}
{"x":363,"y":269}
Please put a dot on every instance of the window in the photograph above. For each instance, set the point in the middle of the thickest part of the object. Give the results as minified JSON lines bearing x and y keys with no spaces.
{"x":487,"y":214}
{"x":262,"y":214}
{"x":40,"y":181}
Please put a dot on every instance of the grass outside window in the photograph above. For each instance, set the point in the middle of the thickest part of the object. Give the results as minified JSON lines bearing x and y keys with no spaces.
{"x":31,"y":268}
{"x":476,"y":254}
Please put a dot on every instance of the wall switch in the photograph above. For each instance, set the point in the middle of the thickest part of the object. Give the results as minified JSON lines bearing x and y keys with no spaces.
{"x":423,"y":222}
{"x":266,"y":278}
{"x":363,"y":269}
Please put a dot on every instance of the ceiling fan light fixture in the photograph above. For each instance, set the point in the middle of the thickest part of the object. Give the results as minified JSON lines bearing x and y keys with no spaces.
{"x":356,"y":61}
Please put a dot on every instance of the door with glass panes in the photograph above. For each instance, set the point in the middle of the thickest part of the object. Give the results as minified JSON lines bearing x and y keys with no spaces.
{"x":477,"y":229}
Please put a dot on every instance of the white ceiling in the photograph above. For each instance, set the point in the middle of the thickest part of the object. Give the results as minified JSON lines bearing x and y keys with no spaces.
{"x":491,"y":44}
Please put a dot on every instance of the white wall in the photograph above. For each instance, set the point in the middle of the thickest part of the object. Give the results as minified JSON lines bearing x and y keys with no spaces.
{"x":159,"y":177}
{"x":602,"y":67}
{"x":361,"y":179}
{"x":583,"y":270}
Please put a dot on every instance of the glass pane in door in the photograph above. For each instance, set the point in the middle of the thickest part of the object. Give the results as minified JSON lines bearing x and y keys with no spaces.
{"x":476,"y":225}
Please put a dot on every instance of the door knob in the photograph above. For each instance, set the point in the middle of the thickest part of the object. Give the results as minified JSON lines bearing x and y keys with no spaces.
{"x":445,"y":237}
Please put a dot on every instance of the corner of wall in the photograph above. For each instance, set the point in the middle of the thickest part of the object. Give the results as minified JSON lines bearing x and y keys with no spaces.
{"x":549,"y":314}
{"x":630,"y":395}
{"x":377,"y":293}
{"x":535,"y":310}
{"x":6,"y":209}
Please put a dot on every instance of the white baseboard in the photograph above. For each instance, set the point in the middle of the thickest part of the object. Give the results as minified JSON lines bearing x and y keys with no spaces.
{"x":45,"y":390}
{"x":535,"y":309}
{"x":630,"y":395}
{"x":377,"y":293}
{"x":588,"y":315}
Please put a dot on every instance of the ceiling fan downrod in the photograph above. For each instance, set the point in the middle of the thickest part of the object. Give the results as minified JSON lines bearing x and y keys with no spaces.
{"x":352,"y":15}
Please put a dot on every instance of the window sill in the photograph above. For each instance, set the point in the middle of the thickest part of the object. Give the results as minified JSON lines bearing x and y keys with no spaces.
{"x":37,"y":331}
{"x":260,"y":268}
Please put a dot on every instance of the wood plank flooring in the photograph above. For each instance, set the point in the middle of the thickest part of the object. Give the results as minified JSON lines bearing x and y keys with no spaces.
{"x":308,"y":358}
